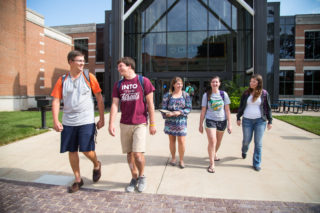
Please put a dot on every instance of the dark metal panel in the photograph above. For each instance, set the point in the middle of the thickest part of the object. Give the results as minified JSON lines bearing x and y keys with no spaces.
{"x":117,"y":26}
{"x":260,"y":38}
{"x":107,"y":59}
{"x":276,"y":49}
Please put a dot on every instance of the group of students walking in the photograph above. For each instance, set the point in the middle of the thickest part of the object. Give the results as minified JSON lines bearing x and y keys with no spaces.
{"x":134,"y":95}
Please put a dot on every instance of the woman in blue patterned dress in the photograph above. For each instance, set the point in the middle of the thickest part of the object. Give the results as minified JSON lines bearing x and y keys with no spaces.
{"x":178,"y":102}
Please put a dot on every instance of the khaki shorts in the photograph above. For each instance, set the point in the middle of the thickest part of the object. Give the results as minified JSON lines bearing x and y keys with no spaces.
{"x":133,"y":137}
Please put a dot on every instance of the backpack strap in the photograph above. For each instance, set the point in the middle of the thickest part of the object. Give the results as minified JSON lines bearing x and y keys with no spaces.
{"x":222,"y":94}
{"x":119,"y":84}
{"x":86,"y":74}
{"x":63,"y":78}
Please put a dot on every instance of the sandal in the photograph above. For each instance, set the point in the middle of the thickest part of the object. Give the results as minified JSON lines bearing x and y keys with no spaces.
{"x":173,"y":163}
{"x":210,"y":169}
{"x":217,"y":159}
{"x":181,"y":165}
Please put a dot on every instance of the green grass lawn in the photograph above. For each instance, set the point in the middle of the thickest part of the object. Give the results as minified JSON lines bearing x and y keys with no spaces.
{"x":22,"y":124}
{"x":309,"y":123}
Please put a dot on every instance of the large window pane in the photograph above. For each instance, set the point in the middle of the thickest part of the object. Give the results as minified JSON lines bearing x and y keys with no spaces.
{"x":177,"y":17}
{"x":222,"y":9}
{"x":312,"y":45}
{"x":197,"y":15}
{"x":155,"y":52}
{"x":287,"y":37}
{"x":217,"y":50}
{"x":155,"y":20}
{"x":82,"y":46}
{"x":307,"y":90}
{"x":100,"y":43}
{"x":286,"y":82}
{"x":177,"y":51}
{"x":197,"y":51}
{"x":312,"y":82}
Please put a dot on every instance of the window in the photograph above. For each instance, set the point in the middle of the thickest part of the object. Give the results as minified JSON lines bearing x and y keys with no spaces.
{"x":286,"y":82}
{"x":100,"y":43}
{"x":312,"y":82}
{"x":100,"y":78}
{"x":312,"y":45}
{"x":287,"y":34}
{"x":82,"y":45}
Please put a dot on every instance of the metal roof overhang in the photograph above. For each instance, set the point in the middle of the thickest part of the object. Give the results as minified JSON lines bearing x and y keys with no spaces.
{"x":137,"y":3}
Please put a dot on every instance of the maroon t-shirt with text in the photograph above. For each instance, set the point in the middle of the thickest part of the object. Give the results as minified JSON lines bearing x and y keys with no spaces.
{"x":133,"y":109}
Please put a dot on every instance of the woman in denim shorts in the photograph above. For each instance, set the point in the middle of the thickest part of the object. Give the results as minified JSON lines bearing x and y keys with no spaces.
{"x":216,"y":113}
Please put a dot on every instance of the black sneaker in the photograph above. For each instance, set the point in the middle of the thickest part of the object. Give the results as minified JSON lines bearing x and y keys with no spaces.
{"x":244,"y":155}
{"x":257,"y":168}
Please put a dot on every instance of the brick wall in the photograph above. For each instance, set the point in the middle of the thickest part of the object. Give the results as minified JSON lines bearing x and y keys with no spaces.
{"x":299,"y":62}
{"x":32,"y":56}
{"x":91,"y":36}
{"x":56,"y":63}
{"x":12,"y":48}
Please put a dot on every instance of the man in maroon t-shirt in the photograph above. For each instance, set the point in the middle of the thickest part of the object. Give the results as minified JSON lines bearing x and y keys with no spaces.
{"x":134,"y":119}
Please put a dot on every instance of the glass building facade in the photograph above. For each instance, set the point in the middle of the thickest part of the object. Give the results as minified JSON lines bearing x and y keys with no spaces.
{"x":192,"y":39}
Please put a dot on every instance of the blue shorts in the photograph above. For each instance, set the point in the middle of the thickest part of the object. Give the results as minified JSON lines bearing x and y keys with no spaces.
{"x":78,"y":138}
{"x":220,"y":125}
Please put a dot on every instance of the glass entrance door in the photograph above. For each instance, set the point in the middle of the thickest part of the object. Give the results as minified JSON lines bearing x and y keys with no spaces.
{"x":162,"y":87}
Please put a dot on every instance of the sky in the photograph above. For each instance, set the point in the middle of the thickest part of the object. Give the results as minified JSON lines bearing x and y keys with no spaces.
{"x":66,"y":12}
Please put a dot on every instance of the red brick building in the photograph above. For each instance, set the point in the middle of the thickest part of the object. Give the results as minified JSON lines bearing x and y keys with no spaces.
{"x":89,"y":39}
{"x":32,"y":56}
{"x":300,"y":57}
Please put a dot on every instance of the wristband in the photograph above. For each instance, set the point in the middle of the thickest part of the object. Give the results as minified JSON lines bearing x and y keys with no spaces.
{"x":152,"y":125}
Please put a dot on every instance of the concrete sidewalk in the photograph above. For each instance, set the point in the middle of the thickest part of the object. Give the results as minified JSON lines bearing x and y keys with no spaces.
{"x":290,"y":164}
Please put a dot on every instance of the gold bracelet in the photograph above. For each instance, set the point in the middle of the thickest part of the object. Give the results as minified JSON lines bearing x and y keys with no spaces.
{"x":152,"y":125}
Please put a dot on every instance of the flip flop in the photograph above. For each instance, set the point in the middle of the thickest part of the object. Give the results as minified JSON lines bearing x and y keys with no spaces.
{"x":217,"y":159}
{"x":210,"y":169}
{"x":181,"y":166}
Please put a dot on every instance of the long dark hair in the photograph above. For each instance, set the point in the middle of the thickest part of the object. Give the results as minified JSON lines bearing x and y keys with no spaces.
{"x":258,"y":90}
{"x":209,"y":91}
{"x":173,"y":81}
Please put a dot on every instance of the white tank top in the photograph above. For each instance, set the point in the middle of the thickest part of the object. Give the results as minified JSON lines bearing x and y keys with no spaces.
{"x":252,"y":110}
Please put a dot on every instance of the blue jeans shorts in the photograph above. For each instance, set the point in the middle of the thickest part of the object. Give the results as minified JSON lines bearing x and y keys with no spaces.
{"x":78,"y":138}
{"x":220,"y":125}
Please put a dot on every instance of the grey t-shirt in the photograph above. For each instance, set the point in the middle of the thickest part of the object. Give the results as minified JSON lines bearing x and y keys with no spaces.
{"x":215,"y":106}
{"x":78,"y":106}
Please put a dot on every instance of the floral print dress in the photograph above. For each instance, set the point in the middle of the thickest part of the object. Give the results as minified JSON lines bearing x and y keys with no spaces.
{"x":176,"y":126}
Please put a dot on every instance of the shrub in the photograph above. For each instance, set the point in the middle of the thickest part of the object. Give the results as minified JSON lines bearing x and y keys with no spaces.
{"x":235,"y":92}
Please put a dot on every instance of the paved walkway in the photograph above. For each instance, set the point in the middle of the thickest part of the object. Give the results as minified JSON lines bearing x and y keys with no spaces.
{"x":34,"y":175}
{"x":34,"y":197}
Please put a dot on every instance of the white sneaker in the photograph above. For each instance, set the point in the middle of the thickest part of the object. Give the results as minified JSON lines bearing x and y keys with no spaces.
{"x":142,"y":185}
{"x":132,"y":185}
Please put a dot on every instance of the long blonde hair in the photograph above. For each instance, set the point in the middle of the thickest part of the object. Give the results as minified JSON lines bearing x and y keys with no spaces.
{"x":173,"y":81}
{"x":258,"y":90}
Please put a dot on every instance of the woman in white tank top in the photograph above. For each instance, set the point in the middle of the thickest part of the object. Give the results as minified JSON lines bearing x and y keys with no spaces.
{"x":256,"y":111}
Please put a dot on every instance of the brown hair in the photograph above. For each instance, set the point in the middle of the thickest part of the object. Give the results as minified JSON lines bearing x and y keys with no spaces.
{"x":173,"y":81}
{"x":74,"y":53}
{"x":209,"y":92}
{"x":258,"y":90}
{"x":127,"y":61}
